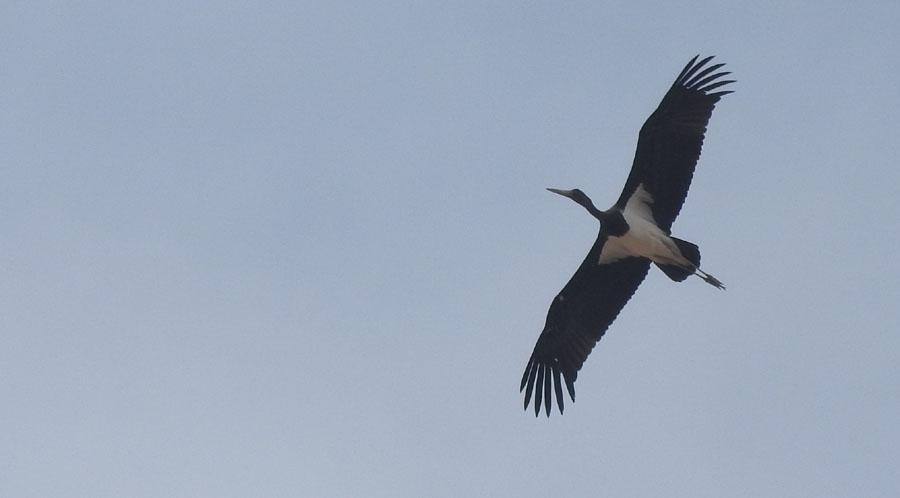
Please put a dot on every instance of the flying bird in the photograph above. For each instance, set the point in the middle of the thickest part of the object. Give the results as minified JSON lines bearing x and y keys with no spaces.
{"x":634,"y":233}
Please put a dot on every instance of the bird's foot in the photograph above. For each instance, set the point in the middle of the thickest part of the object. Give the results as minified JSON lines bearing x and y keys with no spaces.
{"x":711,"y":280}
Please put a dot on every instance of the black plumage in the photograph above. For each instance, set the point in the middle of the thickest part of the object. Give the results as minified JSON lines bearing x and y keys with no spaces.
{"x":668,"y":148}
{"x":670,"y":141}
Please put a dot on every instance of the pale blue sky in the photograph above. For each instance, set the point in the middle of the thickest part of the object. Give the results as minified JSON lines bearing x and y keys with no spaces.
{"x":304,"y":249}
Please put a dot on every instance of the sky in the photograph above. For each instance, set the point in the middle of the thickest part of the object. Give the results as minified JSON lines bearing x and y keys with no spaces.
{"x":304,"y":249}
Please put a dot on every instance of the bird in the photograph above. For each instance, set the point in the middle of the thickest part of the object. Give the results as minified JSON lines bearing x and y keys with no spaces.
{"x":634,"y":234}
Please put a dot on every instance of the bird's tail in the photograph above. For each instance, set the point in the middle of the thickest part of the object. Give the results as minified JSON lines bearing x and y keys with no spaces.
{"x":690,"y":252}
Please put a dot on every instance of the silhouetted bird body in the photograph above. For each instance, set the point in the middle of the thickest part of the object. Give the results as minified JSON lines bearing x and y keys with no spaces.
{"x":633,"y":234}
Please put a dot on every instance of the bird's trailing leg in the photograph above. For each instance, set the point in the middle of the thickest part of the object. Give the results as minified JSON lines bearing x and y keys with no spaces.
{"x":711,"y":280}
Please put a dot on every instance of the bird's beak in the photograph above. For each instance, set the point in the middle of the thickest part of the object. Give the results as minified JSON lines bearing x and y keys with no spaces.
{"x":564,"y":193}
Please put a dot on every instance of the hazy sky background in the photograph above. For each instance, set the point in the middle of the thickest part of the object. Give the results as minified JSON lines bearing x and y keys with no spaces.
{"x":304,"y":249}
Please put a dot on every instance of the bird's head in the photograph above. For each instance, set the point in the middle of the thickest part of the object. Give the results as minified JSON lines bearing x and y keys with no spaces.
{"x":574,"y":194}
{"x":582,"y":199}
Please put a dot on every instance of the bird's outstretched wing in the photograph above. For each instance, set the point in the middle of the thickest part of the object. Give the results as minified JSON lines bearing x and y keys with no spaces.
{"x":577,"y":319}
{"x":670,"y":141}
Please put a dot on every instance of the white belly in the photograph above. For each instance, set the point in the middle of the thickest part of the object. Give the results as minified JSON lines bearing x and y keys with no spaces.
{"x":643,"y":237}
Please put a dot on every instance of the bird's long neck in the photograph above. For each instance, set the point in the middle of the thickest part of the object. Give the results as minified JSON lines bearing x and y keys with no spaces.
{"x":612,"y":221}
{"x":596,"y":213}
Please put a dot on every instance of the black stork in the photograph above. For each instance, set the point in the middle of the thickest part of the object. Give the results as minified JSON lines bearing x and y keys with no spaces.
{"x":634,"y":232}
